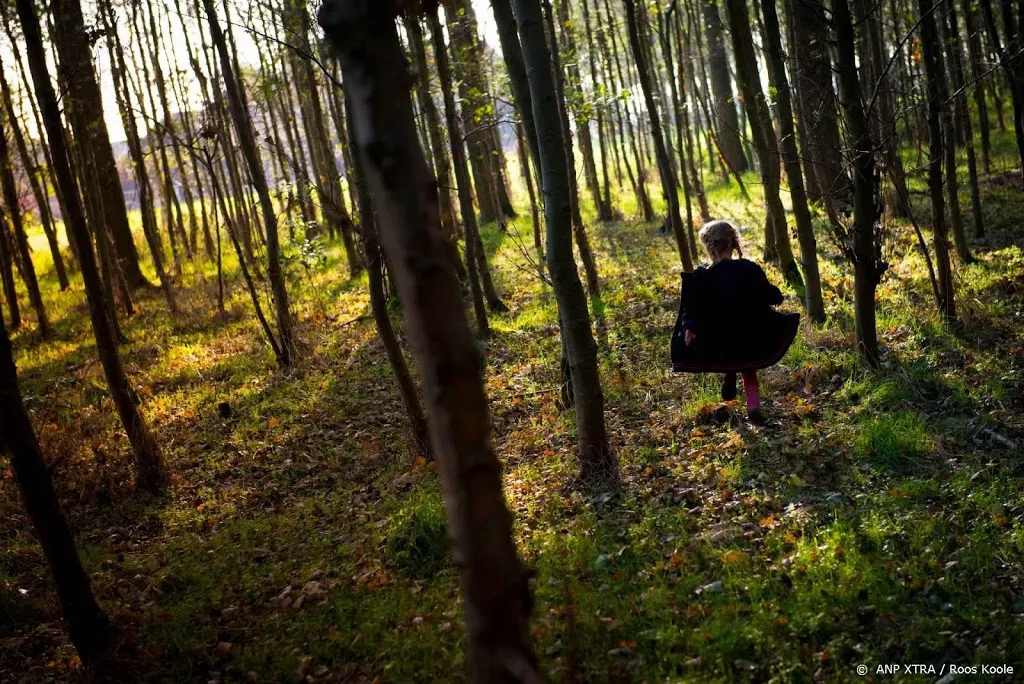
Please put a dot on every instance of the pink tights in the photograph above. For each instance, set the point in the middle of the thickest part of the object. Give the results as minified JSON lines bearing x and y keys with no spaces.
{"x":752,"y":391}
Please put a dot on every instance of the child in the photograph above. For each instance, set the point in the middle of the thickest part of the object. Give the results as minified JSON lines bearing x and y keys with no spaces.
{"x":726,"y":321}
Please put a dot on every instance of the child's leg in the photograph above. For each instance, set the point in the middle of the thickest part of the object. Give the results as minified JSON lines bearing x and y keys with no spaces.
{"x":751,"y":389}
{"x":729,"y":386}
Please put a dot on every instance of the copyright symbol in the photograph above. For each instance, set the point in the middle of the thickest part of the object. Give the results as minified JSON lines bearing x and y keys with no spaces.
{"x":862,"y":670}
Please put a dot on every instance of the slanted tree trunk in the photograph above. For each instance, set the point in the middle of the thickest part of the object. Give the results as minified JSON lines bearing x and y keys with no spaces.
{"x":668,"y":181}
{"x":961,"y":122}
{"x":765,"y":142}
{"x":146,"y":209}
{"x":434,"y":134}
{"x":149,"y":471}
{"x":791,"y":159}
{"x":727,"y":123}
{"x":83,"y":106}
{"x":31,"y":170}
{"x":494,"y":583}
{"x":461,"y":173}
{"x":169,"y":132}
{"x":243,"y":127}
{"x":7,"y":274}
{"x":938,"y":97}
{"x":375,"y":267}
{"x":87,"y":624}
{"x":10,"y":195}
{"x":865,"y":211}
{"x":597,"y":462}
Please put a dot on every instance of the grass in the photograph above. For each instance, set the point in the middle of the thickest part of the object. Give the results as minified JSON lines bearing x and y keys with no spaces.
{"x":878,"y":517}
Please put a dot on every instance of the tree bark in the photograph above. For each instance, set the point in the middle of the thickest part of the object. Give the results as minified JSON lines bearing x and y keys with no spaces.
{"x":83,"y":105}
{"x":791,"y":159}
{"x":961,"y":122}
{"x":494,"y":583}
{"x":728,"y":125}
{"x":375,"y":267}
{"x":579,"y":230}
{"x":865,"y":211}
{"x":31,"y":172}
{"x":937,"y":102}
{"x":668,"y":181}
{"x":149,"y":471}
{"x":87,"y":624}
{"x":13,"y":202}
{"x":461,"y":174}
{"x":812,"y":79}
{"x":477,"y":108}
{"x":243,"y":126}
{"x":597,"y":462}
{"x":7,"y":274}
{"x":977,"y":75}
{"x":765,"y":142}
{"x":434,"y":134}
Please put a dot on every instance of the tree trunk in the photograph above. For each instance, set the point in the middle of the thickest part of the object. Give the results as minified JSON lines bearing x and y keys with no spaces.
{"x":605,"y":208}
{"x":494,"y":583}
{"x":791,"y":160}
{"x":87,"y":624}
{"x":685,"y":72}
{"x":961,"y":122}
{"x":169,"y":131}
{"x":13,"y":202}
{"x":765,"y":142}
{"x":668,"y":181}
{"x":580,"y":110}
{"x":1012,"y":66}
{"x":938,"y":98}
{"x":246,"y":277}
{"x":865,"y":212}
{"x":149,"y":472}
{"x":243,"y":126}
{"x":721,"y":85}
{"x":812,"y":80}
{"x":83,"y":105}
{"x":434,"y":134}
{"x":7,"y":274}
{"x":461,"y":173}
{"x":640,"y":184}
{"x":978,"y":78}
{"x":597,"y":462}
{"x":31,"y":170}
{"x":578,"y":228}
{"x":951,"y":124}
{"x":477,"y":107}
{"x":146,"y":209}
{"x":375,"y":267}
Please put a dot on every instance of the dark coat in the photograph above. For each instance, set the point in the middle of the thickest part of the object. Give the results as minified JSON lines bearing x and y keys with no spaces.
{"x":728,"y":307}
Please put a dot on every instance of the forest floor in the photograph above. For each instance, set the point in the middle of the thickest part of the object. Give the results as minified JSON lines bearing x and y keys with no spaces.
{"x":877,"y":517}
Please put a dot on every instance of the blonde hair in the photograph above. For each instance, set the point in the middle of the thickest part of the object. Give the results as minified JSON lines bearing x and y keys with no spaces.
{"x":720,"y":237}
